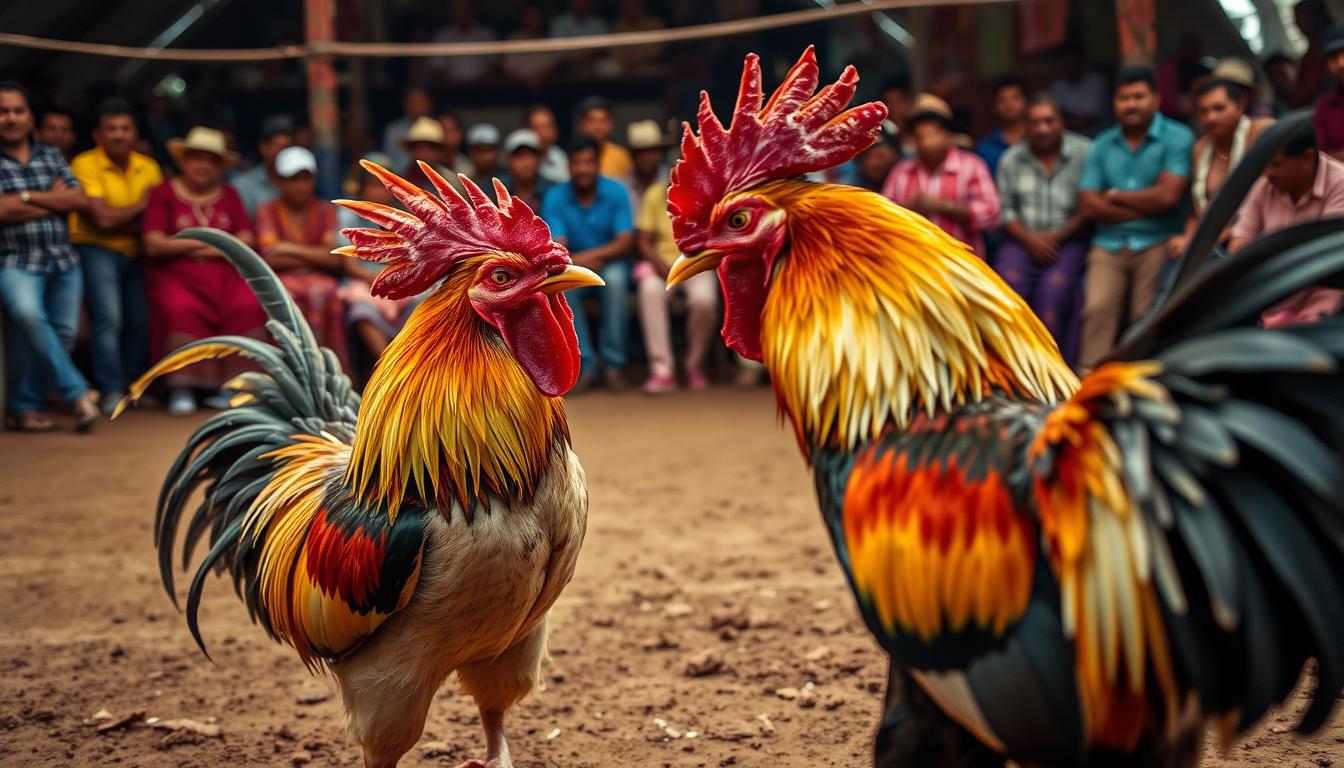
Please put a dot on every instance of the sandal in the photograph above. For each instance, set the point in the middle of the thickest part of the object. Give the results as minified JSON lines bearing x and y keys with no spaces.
{"x":34,"y":421}
{"x":86,"y":413}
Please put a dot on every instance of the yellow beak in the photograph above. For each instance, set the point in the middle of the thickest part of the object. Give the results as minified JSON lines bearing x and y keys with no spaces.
{"x":574,"y":276}
{"x":693,"y":264}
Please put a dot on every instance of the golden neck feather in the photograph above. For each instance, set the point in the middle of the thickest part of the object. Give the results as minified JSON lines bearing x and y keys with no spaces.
{"x":448,"y":415}
{"x":874,"y":314}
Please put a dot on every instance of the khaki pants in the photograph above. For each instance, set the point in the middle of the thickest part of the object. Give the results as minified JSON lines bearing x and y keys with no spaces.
{"x":1110,"y":275}
{"x":702,"y":303}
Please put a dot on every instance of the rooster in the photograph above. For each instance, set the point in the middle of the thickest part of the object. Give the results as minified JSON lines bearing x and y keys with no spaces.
{"x":427,"y":528}
{"x":1072,"y":572}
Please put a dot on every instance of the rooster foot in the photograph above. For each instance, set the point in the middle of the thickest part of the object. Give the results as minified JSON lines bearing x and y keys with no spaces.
{"x":473,"y":764}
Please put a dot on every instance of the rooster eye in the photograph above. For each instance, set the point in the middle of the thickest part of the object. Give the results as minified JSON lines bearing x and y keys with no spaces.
{"x":501,"y":277}
{"x":739,"y":220}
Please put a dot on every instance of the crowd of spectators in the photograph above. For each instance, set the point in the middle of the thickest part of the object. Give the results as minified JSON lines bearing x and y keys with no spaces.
{"x":1083,"y":197}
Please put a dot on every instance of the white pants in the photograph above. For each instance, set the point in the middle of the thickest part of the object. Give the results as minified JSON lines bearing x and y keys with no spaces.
{"x":702,"y":299}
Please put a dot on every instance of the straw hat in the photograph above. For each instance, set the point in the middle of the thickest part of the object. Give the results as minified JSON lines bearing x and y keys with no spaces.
{"x":930,"y":107}
{"x":1234,"y":70}
{"x":425,"y":130}
{"x":645,"y":134}
{"x":203,"y":139}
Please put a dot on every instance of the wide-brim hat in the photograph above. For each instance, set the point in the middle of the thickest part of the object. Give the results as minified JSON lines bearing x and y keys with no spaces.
{"x":928,"y":107}
{"x":1235,"y":70}
{"x":202,"y":139}
{"x":645,"y":134}
{"x":425,"y":130}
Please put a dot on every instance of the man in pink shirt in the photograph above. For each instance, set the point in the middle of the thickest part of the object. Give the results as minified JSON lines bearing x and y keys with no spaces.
{"x":951,"y":186}
{"x":1300,"y":184}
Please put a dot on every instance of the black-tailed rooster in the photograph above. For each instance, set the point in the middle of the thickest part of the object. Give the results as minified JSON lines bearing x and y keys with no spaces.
{"x":427,"y":528}
{"x":1074,"y":572}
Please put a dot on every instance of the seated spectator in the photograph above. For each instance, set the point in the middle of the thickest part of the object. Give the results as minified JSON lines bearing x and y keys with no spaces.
{"x":522,"y":155}
{"x":579,"y":21}
{"x":465,"y":28}
{"x":1238,"y":72}
{"x":483,"y":152}
{"x":451,"y":155}
{"x":1045,"y":248}
{"x":531,"y":69}
{"x":1010,"y":111}
{"x":1329,"y":116}
{"x":1281,"y":72}
{"x":415,"y":104}
{"x":193,"y":292}
{"x":949,"y":185}
{"x":648,"y":150}
{"x":590,"y":215}
{"x":554,"y":164}
{"x":1228,"y":133}
{"x":256,"y":186}
{"x":1300,"y":184}
{"x":1312,"y":18}
{"x":295,"y":234}
{"x":375,"y":319}
{"x":595,"y":122}
{"x":424,"y":144}
{"x":57,"y":129}
{"x":39,"y":271}
{"x":657,"y":252}
{"x":1081,"y":93}
{"x":874,"y":164}
{"x":116,"y":180}
{"x":898,"y":97}
{"x":1133,"y":187}
{"x":633,"y":18}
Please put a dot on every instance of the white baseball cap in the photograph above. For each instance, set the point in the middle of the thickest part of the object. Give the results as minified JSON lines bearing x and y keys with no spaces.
{"x":483,"y":133}
{"x":294,"y":160}
{"x":520,"y":138}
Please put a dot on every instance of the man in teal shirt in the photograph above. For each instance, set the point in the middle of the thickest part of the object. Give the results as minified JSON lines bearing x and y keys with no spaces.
{"x":1133,"y":186}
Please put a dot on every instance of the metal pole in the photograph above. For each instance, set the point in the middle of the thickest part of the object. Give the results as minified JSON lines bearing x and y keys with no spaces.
{"x":320,"y":20}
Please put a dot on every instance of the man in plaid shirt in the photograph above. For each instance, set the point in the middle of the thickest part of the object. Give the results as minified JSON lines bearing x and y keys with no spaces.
{"x":39,"y":277}
{"x":951,"y":186}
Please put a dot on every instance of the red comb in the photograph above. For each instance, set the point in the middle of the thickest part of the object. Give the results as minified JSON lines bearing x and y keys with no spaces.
{"x":420,"y":244}
{"x":796,"y":132}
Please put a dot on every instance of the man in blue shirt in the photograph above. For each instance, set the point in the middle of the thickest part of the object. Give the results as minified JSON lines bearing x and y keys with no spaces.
{"x":1010,"y":109}
{"x":590,"y":215}
{"x":1133,"y":186}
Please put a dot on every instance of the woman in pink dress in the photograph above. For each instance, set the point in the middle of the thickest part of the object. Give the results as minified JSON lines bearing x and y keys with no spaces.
{"x":193,"y":292}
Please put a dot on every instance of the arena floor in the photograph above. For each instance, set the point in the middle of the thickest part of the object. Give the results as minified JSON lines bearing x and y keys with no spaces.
{"x":704,"y":549}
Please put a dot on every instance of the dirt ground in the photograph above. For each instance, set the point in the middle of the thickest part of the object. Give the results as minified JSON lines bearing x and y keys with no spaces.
{"x":701,"y":514}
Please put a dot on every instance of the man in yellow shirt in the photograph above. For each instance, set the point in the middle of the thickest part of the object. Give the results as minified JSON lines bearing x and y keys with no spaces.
{"x":657,"y":251}
{"x":106,"y":232}
{"x":595,"y":122}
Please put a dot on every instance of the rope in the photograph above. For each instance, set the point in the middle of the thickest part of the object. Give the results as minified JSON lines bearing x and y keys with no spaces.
{"x":549,"y":45}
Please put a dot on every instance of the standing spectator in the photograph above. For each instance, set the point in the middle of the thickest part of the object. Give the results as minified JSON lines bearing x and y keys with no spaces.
{"x":1133,"y":186}
{"x":1010,"y":111}
{"x":657,"y":252}
{"x":1281,"y":72}
{"x":595,"y":122}
{"x":1312,"y":18}
{"x":896,"y":94}
{"x":1228,"y":133}
{"x":295,"y":234}
{"x":1081,"y":93}
{"x":423,"y":143}
{"x":633,"y":18}
{"x":579,"y":21}
{"x":531,"y":69}
{"x":256,"y":186}
{"x":590,"y":215}
{"x":39,"y":272}
{"x":874,"y":164}
{"x":415,"y":104}
{"x":949,"y":185}
{"x":483,"y":152}
{"x":554,"y":163}
{"x":57,"y":129}
{"x":464,"y":28}
{"x":1329,"y":117}
{"x":522,"y":155}
{"x":116,"y":180}
{"x":1045,"y":249}
{"x":648,"y":149}
{"x":193,"y":292}
{"x":451,"y":155}
{"x":1300,"y":184}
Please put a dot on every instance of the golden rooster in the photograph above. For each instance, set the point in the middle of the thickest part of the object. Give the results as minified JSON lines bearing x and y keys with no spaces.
{"x":1074,"y":572}
{"x":427,"y":528}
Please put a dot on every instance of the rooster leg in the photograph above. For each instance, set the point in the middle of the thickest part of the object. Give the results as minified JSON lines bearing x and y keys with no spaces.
{"x":498,"y":684}
{"x":915,"y":732}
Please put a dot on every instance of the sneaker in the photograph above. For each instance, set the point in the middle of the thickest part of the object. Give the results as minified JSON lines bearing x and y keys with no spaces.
{"x":181,"y":402}
{"x":218,"y":401}
{"x":108,"y":403}
{"x":659,"y":384}
{"x":613,"y":380}
{"x":696,"y":379}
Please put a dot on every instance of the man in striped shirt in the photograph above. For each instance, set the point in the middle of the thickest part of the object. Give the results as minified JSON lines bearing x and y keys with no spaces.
{"x":950,"y":186}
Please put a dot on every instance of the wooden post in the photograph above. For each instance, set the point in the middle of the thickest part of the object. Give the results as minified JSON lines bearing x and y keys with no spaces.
{"x":320,"y":20}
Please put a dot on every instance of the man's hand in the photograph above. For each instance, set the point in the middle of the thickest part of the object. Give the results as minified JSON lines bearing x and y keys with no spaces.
{"x":1176,"y":246}
{"x":588,"y":260}
{"x":1042,"y":246}
{"x":204,"y":252}
{"x":660,"y":267}
{"x":926,"y":205}
{"x":58,"y":184}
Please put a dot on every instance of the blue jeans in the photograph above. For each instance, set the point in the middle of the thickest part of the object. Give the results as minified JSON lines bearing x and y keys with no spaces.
{"x":114,"y":291}
{"x":43,"y":309}
{"x":615,"y":297}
